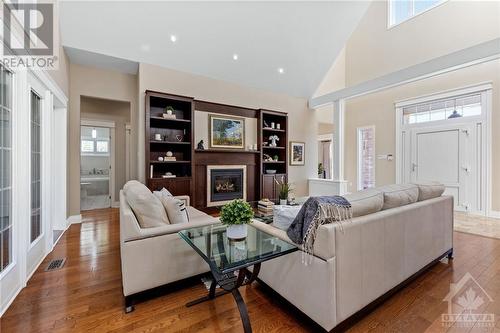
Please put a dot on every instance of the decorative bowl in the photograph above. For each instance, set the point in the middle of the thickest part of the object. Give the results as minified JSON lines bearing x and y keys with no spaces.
{"x":271,"y":172}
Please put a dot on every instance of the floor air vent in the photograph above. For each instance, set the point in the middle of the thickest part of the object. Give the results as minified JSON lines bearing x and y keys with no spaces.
{"x":55,"y":264}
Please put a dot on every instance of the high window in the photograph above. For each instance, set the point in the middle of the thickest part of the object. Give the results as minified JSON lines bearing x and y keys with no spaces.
{"x":5,"y":168}
{"x":463,"y":106}
{"x":402,"y":10}
{"x":36,"y":190}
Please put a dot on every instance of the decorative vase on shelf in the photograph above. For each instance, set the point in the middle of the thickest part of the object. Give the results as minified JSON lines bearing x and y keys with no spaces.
{"x":237,"y":231}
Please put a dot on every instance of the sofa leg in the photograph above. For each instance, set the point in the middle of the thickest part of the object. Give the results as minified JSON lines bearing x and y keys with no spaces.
{"x":129,"y":304}
{"x":450,"y":254}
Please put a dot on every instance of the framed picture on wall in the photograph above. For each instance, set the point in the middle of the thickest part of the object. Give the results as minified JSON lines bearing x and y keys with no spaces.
{"x":297,"y":153}
{"x":226,"y":131}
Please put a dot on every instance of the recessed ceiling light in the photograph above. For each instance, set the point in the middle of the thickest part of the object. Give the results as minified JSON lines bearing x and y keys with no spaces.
{"x":281,"y":70}
{"x":173,"y":38}
{"x":235,"y":56}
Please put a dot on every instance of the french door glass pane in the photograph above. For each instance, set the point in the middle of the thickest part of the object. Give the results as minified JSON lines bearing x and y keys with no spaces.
{"x":36,"y":222}
{"x":5,"y":168}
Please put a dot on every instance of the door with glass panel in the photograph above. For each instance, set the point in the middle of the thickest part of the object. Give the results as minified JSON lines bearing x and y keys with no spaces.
{"x":95,"y":166}
{"x":442,"y":140}
{"x":6,"y":226}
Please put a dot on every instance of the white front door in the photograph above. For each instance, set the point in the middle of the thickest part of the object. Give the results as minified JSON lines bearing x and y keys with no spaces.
{"x":445,"y":154}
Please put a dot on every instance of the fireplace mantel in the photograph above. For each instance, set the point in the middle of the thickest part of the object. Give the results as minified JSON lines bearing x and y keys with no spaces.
{"x":227,"y":151}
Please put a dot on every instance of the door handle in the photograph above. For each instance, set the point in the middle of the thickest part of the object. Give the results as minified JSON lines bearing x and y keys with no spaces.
{"x":413,"y":167}
{"x":465,"y":168}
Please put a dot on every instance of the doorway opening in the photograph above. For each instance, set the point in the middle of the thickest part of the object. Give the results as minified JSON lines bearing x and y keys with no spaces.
{"x":104,"y":151}
{"x":95,"y":167}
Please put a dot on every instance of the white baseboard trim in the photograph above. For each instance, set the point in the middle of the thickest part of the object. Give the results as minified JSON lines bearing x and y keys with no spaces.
{"x":115,"y":204}
{"x":75,"y":219}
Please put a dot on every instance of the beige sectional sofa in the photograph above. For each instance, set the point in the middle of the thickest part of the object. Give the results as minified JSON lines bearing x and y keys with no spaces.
{"x":396,"y":232}
{"x":374,"y":253}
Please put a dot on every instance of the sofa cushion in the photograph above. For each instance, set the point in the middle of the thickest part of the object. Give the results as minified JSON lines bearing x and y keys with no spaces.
{"x":429,"y":190}
{"x":283,"y":216}
{"x":176,"y":209}
{"x":365,"y":202}
{"x":397,"y":195}
{"x":147,"y":208}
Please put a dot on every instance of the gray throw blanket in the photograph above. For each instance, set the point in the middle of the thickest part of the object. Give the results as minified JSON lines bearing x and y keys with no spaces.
{"x":315,"y":212}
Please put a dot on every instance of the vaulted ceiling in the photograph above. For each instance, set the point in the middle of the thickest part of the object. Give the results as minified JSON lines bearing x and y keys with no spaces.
{"x":281,"y":46}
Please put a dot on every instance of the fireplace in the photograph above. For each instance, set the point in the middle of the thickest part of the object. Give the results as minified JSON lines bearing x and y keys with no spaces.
{"x":225,"y":183}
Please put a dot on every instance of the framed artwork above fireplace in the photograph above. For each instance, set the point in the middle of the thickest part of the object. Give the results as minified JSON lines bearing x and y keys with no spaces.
{"x":226,"y":131}
{"x":226,"y":183}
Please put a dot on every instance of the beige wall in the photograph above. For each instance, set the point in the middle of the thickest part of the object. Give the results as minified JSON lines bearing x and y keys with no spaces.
{"x":374,"y":50}
{"x":119,"y":113}
{"x":325,"y":128}
{"x":302,"y":121}
{"x":378,"y":109}
{"x":98,"y":83}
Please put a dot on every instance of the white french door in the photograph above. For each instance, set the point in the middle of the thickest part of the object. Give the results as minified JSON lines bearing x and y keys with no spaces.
{"x":447,"y":155}
{"x":39,"y":229}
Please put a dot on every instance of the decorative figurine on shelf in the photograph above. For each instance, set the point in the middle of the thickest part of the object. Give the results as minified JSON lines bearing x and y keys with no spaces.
{"x":273,"y":139}
{"x":268,"y":158}
{"x":200,"y":145}
{"x":169,"y":154}
{"x":266,"y":125}
{"x":160,"y":158}
{"x":276,"y":158}
{"x":272,"y":125}
{"x":278,"y":126}
{"x":179,"y":137}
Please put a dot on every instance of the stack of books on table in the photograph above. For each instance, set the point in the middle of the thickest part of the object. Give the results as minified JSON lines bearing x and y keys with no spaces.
{"x":265,"y":206}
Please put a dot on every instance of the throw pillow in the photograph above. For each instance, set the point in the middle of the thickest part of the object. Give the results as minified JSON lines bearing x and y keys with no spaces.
{"x":283,"y":216}
{"x":147,"y":208}
{"x":176,"y":210}
{"x":162,"y":193}
{"x":398,"y":195}
{"x":429,"y":190}
{"x":365,"y":202}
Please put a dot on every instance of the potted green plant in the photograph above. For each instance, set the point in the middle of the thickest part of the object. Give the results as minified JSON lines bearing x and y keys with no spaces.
{"x":284,"y":189}
{"x":169,"y":110}
{"x":321,"y":170}
{"x":236,"y":215}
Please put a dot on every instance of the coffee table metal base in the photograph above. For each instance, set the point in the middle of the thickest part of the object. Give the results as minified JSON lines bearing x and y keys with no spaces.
{"x":230,"y":284}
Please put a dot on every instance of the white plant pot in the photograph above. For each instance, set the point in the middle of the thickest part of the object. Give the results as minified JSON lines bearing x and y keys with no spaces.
{"x":237,"y":231}
{"x":283,"y":202}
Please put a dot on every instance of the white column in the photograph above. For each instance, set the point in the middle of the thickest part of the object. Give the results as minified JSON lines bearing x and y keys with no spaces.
{"x":338,"y":140}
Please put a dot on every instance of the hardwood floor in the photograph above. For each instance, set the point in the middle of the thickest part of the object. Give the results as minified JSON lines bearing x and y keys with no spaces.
{"x":86,"y":296}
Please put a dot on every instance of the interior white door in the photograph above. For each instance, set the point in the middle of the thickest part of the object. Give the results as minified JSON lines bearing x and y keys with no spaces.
{"x":444,"y":155}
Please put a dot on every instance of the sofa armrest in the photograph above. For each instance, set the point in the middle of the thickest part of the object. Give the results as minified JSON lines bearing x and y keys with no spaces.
{"x":168,"y":229}
{"x":324,"y":245}
{"x":184,"y":198}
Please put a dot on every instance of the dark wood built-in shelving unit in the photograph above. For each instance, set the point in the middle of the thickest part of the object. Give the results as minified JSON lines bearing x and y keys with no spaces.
{"x":177,"y":137}
{"x":268,"y":186}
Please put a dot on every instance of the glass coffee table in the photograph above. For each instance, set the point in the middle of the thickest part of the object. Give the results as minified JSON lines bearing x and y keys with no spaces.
{"x":225,"y":256}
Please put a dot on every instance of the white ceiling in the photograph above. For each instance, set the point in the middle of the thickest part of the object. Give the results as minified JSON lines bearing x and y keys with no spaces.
{"x":303,"y":38}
